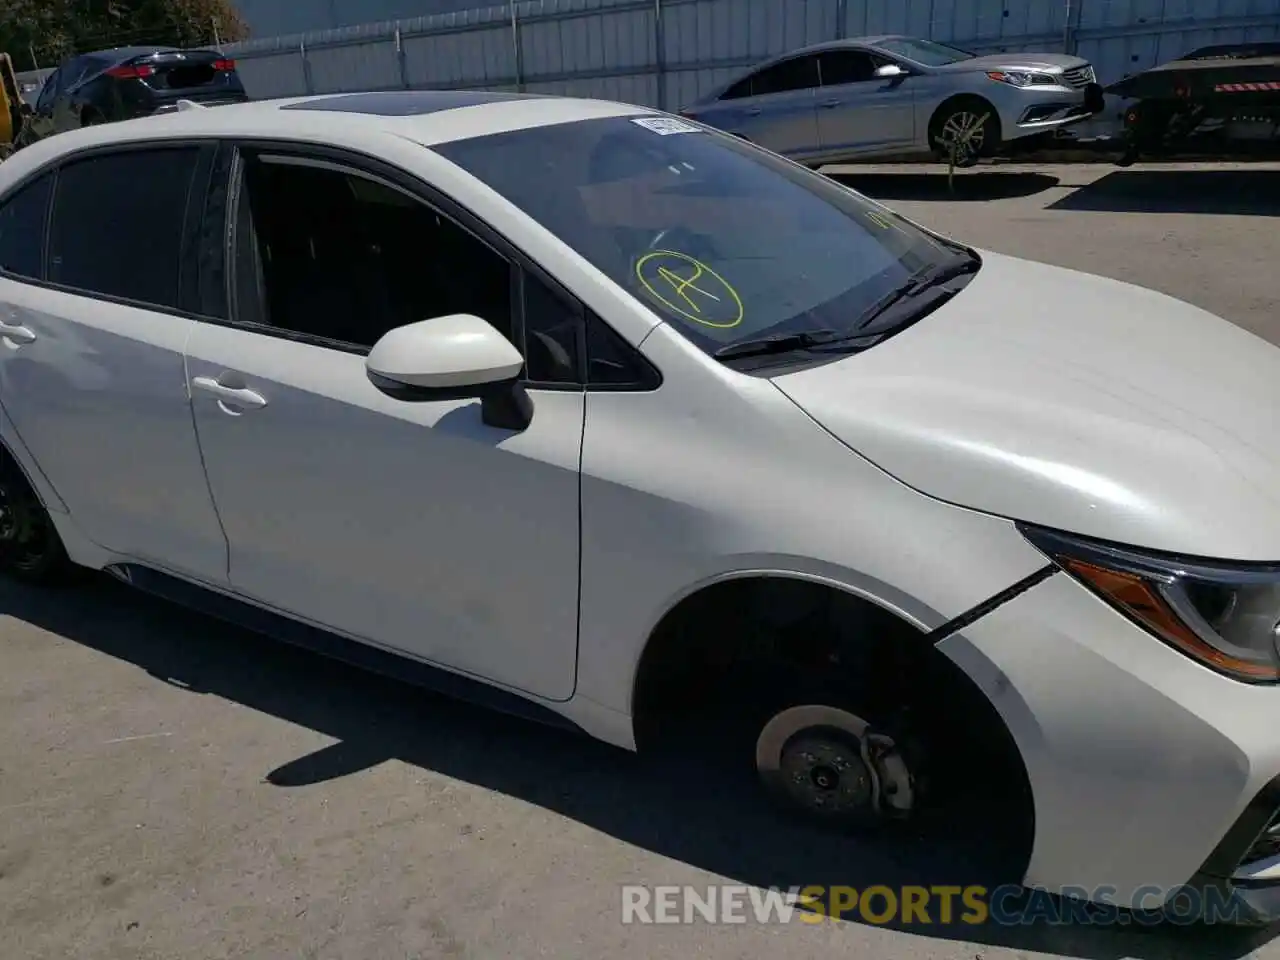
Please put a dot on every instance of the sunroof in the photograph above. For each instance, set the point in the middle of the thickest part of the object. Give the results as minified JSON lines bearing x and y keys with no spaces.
{"x":405,"y":103}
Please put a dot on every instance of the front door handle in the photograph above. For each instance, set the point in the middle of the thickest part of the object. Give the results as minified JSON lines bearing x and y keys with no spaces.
{"x":754,"y":111}
{"x":830,"y":103}
{"x":240,"y":396}
{"x":16,"y":334}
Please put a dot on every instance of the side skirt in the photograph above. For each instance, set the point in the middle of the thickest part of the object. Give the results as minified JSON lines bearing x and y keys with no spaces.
{"x":361,"y":655}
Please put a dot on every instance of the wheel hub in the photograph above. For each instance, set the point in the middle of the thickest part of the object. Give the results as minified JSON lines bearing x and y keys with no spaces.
{"x":827,"y":763}
{"x":826,"y":774}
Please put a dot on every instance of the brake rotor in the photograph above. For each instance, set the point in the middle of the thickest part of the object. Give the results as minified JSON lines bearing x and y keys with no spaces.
{"x":829,"y":765}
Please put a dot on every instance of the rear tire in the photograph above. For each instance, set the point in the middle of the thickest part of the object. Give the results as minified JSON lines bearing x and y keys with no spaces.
{"x":30,"y":549}
{"x":960,"y":121}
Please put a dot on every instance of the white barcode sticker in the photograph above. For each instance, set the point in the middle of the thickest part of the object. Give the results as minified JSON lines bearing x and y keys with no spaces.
{"x":665,"y":126}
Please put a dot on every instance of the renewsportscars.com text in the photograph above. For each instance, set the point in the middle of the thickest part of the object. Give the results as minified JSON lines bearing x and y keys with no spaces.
{"x":906,"y":906}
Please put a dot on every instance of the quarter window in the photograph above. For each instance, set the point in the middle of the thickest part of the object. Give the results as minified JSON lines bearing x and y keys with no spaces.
{"x":22,"y":229}
{"x":550,"y":334}
{"x":118,"y":224}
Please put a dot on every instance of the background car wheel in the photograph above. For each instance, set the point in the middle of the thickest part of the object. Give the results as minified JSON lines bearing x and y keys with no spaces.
{"x":30,"y":548}
{"x":961,"y":122}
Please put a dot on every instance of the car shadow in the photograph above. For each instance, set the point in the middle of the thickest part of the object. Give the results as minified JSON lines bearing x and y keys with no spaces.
{"x":1233,"y":192}
{"x":667,"y":805}
{"x":982,"y":185}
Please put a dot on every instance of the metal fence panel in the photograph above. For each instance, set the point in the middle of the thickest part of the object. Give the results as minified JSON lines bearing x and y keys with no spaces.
{"x":611,"y":41}
{"x":275,"y":75}
{"x":370,"y":66}
{"x":464,"y":59}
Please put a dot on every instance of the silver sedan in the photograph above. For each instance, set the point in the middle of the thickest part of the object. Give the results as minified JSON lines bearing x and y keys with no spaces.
{"x":876,"y":96}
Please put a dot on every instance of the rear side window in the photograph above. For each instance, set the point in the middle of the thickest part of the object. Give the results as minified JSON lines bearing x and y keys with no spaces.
{"x":22,"y":222}
{"x":798,"y":73}
{"x":118,"y":223}
{"x":49,"y":91}
{"x":739,"y":90}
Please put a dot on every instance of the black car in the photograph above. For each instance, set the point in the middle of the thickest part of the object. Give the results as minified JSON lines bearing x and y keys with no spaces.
{"x":129,"y":82}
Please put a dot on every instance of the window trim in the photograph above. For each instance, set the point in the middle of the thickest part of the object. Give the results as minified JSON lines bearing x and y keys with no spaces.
{"x":205,"y":147}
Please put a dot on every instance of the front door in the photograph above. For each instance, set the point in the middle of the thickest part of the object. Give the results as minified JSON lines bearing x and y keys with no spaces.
{"x":411,"y":525}
{"x":859,"y":112}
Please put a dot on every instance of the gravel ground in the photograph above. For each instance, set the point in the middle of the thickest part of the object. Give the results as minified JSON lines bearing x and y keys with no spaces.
{"x":173,"y":788}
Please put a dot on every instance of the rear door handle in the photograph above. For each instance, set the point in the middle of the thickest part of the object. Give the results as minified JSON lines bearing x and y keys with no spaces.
{"x":754,"y":111}
{"x":830,"y":103}
{"x":16,"y":333}
{"x":240,"y":396}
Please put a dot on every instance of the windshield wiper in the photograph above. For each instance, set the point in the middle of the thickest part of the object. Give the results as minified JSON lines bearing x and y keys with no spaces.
{"x":922,"y":280}
{"x":800,"y":340}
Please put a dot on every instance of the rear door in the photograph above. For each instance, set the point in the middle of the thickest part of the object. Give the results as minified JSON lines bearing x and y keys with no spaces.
{"x":775,"y":107}
{"x":91,"y":352}
{"x":858,"y":111}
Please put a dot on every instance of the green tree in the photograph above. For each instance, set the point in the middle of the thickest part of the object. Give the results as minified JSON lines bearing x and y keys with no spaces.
{"x":54,"y":29}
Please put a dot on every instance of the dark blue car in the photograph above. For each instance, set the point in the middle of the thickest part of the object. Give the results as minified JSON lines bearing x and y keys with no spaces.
{"x":129,"y":82}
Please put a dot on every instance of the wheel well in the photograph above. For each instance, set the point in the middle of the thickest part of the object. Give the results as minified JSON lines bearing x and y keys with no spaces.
{"x":957,"y":101}
{"x":857,"y":650}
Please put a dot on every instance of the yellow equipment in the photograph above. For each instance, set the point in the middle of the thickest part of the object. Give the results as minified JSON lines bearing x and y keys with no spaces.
{"x":12,"y":114}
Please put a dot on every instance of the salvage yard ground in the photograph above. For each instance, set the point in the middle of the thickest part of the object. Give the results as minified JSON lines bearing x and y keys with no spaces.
{"x":173,"y":788}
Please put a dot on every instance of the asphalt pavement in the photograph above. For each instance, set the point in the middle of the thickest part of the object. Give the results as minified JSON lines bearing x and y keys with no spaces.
{"x":173,"y":788}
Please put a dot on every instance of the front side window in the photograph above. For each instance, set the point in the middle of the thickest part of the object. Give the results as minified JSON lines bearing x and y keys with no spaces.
{"x":926,"y":52}
{"x":22,"y":223}
{"x":721,"y":239}
{"x":332,"y":254}
{"x":846,"y":66}
{"x":118,"y":224}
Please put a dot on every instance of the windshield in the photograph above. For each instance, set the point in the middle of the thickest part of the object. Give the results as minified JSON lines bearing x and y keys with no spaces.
{"x":721,"y":239}
{"x":927,"y":52}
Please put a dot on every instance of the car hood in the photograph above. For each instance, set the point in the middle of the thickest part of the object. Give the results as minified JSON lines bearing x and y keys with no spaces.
{"x":1076,"y":402}
{"x":1018,"y":61}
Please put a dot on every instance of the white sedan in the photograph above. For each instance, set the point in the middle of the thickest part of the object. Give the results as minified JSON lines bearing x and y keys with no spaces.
{"x":604,"y":417}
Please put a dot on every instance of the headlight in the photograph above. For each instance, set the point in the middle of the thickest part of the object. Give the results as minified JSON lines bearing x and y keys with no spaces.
{"x":1020,"y":78}
{"x":1224,"y":615}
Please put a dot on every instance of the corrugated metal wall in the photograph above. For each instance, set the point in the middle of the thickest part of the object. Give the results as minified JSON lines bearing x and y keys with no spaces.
{"x":667,"y":53}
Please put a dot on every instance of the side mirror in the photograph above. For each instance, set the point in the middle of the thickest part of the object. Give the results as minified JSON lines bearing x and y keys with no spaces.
{"x":890,"y":71}
{"x":454,"y":357}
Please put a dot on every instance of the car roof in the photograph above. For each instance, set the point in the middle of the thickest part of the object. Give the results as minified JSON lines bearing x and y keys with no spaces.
{"x":426,"y":117}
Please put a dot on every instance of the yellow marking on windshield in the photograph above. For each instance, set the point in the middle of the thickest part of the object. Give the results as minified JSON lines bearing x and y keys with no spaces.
{"x":707,"y":297}
{"x":880,"y":220}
